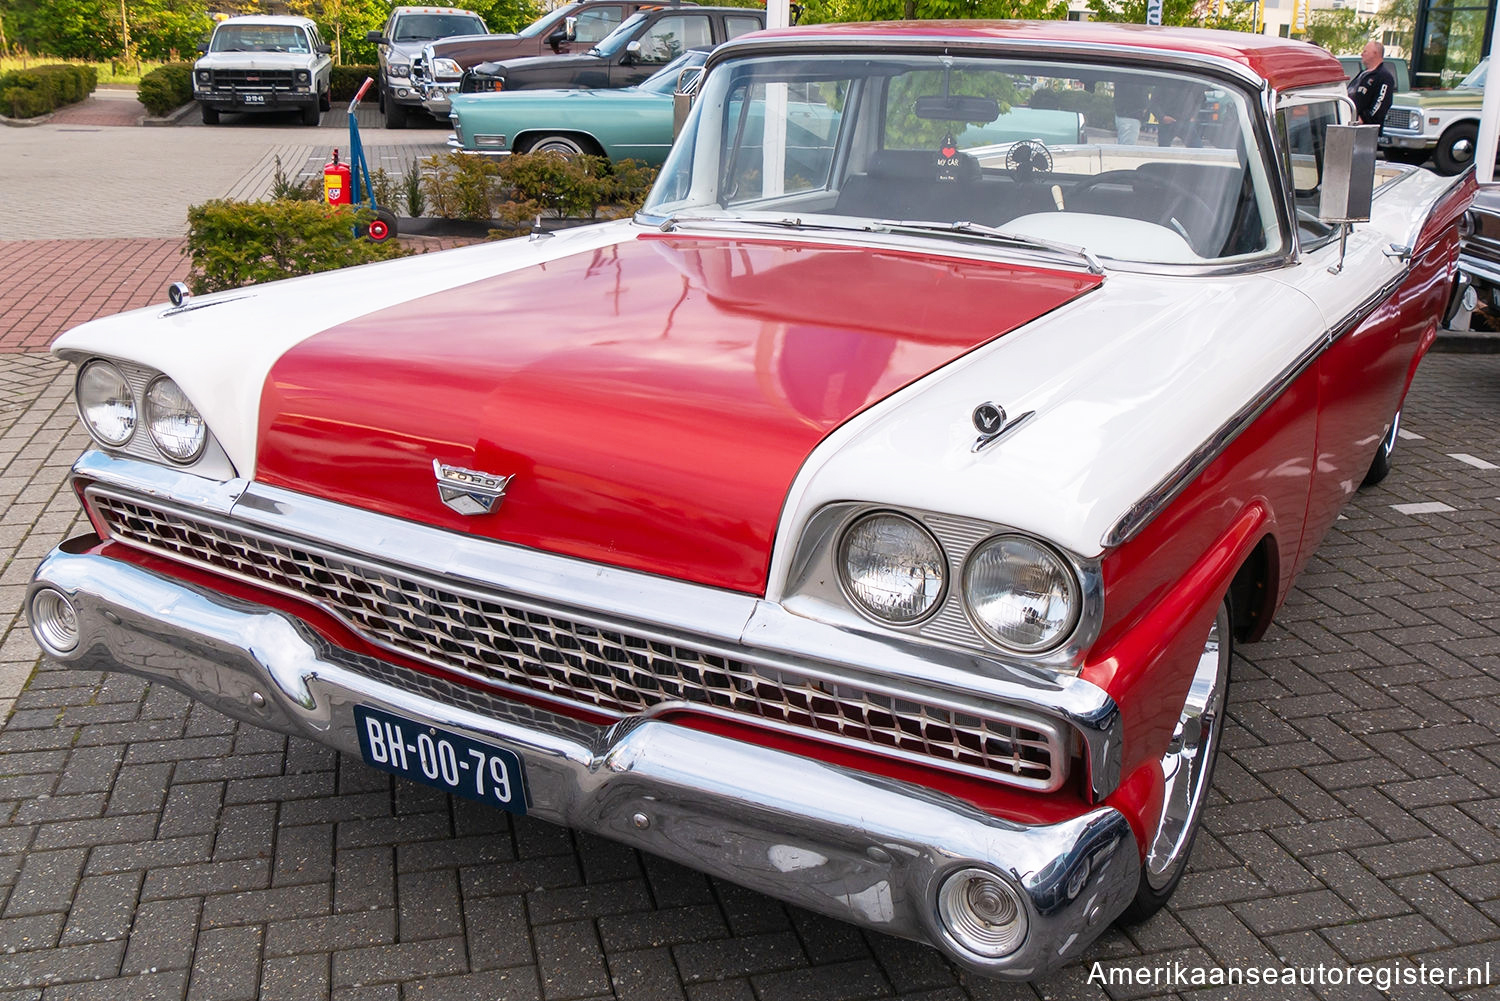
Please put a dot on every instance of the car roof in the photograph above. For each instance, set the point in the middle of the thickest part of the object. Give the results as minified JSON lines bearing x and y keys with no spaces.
{"x":431,"y":10}
{"x":1282,"y":63}
{"x":280,"y":19}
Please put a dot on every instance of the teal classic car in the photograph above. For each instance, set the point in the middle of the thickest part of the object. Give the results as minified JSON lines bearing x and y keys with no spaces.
{"x":636,"y":122}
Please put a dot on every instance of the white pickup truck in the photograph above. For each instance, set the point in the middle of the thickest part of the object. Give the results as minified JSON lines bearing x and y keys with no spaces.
{"x":261,"y":63}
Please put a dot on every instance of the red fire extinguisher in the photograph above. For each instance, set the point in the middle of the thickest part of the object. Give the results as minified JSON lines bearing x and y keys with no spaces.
{"x":336,"y":182}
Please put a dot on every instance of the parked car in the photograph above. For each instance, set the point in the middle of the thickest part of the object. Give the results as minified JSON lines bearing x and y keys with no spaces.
{"x":261,"y":63}
{"x":868,"y":522}
{"x":1443,"y":124}
{"x":1480,"y":255}
{"x":573,"y":27}
{"x":406,"y":31}
{"x":642,"y":44}
{"x":637,"y":122}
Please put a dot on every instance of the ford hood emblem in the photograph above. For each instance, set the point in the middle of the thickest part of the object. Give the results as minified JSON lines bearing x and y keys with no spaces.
{"x":469,"y":491}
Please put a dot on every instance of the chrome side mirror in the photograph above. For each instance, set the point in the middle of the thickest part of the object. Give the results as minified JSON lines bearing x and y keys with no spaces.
{"x":570,"y":26}
{"x":1348,"y":185}
{"x":632,"y":53}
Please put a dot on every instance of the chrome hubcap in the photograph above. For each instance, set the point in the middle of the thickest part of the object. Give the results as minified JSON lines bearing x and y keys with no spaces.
{"x":1463,"y":150}
{"x":1188,"y":763}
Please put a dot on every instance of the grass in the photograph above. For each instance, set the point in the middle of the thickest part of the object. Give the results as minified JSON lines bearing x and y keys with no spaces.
{"x":109,"y":72}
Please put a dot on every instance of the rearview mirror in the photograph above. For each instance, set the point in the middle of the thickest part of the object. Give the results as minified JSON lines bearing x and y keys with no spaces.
{"x":325,"y":50}
{"x":957,"y":108}
{"x":1348,"y":184}
{"x":374,"y":36}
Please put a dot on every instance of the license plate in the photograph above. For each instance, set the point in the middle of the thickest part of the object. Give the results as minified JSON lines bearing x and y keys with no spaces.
{"x":254,"y":98}
{"x":442,"y":759}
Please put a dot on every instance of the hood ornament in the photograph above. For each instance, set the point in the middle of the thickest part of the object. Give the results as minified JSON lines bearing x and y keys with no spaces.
{"x":992,"y":424}
{"x":469,"y":491}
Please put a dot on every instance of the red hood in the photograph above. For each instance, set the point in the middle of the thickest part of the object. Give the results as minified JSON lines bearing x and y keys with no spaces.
{"x":653,"y":399}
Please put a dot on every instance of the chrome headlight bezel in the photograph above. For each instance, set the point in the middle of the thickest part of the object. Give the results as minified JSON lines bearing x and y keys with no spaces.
{"x":852,"y":590}
{"x":810,"y":587}
{"x":445,"y":67}
{"x":82,"y":399}
{"x":1045,"y":554}
{"x":149,"y":403}
{"x":399,"y":71}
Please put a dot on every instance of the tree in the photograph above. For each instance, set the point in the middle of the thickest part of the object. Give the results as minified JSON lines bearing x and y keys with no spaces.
{"x":1342,"y":32}
{"x":1232,"y":15}
{"x":504,"y":15}
{"x":821,"y":11}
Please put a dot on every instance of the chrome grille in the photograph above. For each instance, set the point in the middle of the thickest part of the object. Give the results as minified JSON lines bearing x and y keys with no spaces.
{"x":498,"y":640}
{"x":1406,"y":119}
{"x":254,"y":79}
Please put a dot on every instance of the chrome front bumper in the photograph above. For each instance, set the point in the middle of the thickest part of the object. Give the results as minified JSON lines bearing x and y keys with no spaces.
{"x":862,"y":848}
{"x":457,"y":146}
{"x":435,"y":98}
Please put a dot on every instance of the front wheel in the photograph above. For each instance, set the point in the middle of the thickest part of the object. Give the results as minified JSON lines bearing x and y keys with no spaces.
{"x":1455,"y":150}
{"x":325,"y":99}
{"x":210,"y":115}
{"x":1380,"y":466}
{"x":395,"y":114}
{"x":563,"y":146}
{"x":1187,"y":771}
{"x":311,"y":115}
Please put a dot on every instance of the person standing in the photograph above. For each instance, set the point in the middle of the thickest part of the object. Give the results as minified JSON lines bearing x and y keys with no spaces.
{"x":1373,"y":89}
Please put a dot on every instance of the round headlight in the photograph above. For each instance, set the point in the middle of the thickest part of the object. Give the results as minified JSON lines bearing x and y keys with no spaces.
{"x":892,"y":568}
{"x":1021,"y":594}
{"x":400,"y":69}
{"x":176,"y":426}
{"x":105,"y":403}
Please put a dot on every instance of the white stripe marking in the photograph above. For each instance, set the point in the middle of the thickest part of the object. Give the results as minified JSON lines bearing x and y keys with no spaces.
{"x":1477,"y":463}
{"x":1427,"y":507}
{"x":1409,"y":435}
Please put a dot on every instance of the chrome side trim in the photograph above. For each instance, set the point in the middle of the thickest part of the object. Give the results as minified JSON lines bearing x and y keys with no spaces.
{"x":866,"y":849}
{"x":758,"y":630}
{"x":1140,"y":514}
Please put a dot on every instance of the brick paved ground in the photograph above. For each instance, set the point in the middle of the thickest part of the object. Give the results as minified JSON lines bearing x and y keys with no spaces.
{"x":105,"y":107}
{"x":152,"y":848}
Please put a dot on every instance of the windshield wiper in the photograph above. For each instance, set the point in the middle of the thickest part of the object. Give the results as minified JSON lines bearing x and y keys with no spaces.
{"x":990,"y":232}
{"x":895,"y":225}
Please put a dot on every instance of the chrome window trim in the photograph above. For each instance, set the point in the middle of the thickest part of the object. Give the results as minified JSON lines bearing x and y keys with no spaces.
{"x":703,"y":615}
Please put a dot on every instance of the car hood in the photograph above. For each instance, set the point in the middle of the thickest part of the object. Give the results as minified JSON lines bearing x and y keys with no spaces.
{"x":531,"y":64}
{"x":255,"y":60}
{"x":1459,"y":97}
{"x":482,"y":104}
{"x":466,"y":50}
{"x":653,"y":399}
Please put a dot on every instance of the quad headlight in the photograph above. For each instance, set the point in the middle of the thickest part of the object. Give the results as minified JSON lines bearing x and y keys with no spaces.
{"x":400,"y":69}
{"x":176,"y":427}
{"x":892,"y":568}
{"x":105,"y":403}
{"x":1021,"y":594}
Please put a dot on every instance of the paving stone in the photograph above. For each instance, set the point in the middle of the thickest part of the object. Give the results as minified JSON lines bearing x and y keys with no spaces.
{"x":492,"y":985}
{"x":259,"y":906}
{"x":47,"y":882}
{"x":429,"y":905}
{"x":738,"y":957}
{"x":293,"y":978}
{"x":146,"y":987}
{"x":38,"y":931}
{"x":303,"y":854}
{"x":397,"y":962}
{"x":103,"y":908}
{"x":837,"y":982}
{"x":226,"y":965}
{"x":498,"y":931}
{"x":649,"y":975}
{"x":162,"y":936}
{"x":61,"y":965}
{"x":570,"y":960}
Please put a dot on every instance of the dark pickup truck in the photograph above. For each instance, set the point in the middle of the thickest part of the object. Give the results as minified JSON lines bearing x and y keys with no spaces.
{"x":641,"y":45}
{"x":571,"y":28}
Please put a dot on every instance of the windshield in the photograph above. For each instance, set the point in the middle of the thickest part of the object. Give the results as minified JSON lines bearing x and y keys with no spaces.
{"x":1131,"y":164}
{"x":615,"y":40}
{"x":1476,"y":75}
{"x":548,"y":21}
{"x":259,"y":38}
{"x":664,"y":80}
{"x":431,"y":27}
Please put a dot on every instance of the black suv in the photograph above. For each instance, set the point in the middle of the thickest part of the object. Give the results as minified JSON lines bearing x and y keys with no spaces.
{"x":641,"y":45}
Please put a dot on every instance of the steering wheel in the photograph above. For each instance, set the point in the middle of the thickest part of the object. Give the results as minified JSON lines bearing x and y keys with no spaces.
{"x":1151,"y":194}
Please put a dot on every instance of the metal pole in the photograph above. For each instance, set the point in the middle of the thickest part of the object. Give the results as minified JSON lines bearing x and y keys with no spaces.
{"x":1489,"y":115}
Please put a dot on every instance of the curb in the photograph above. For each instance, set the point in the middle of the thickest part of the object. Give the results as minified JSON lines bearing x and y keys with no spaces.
{"x":1467,"y":342}
{"x":26,"y":123}
{"x":171,"y":117}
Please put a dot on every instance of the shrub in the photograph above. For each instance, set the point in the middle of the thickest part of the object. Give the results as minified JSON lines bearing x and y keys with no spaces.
{"x":519,"y":188}
{"x":411,"y":182}
{"x":26,"y":93}
{"x":233,"y":244}
{"x":166,"y":88}
{"x":456,"y":186}
{"x":346,"y":80}
{"x":284,"y":188}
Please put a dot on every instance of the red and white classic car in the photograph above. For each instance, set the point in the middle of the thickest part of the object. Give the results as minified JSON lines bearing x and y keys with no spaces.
{"x":868,"y":521}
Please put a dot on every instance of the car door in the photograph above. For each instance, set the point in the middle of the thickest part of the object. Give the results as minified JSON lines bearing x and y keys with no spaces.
{"x":1375,"y":309}
{"x":662,"y":39}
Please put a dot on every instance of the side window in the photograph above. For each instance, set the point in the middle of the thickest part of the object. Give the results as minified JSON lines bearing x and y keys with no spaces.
{"x":801,"y":153}
{"x":736,"y":25}
{"x":670,"y":37}
{"x":593,"y":25}
{"x":1304,"y":128}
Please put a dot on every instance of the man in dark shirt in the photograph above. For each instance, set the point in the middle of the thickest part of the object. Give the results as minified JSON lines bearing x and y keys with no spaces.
{"x":1373,"y":89}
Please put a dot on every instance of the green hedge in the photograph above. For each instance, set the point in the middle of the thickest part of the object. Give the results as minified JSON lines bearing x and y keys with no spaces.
{"x":1098,"y":107}
{"x":234,"y":244}
{"x":40,"y":89}
{"x":346,"y":80}
{"x":166,"y":88}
